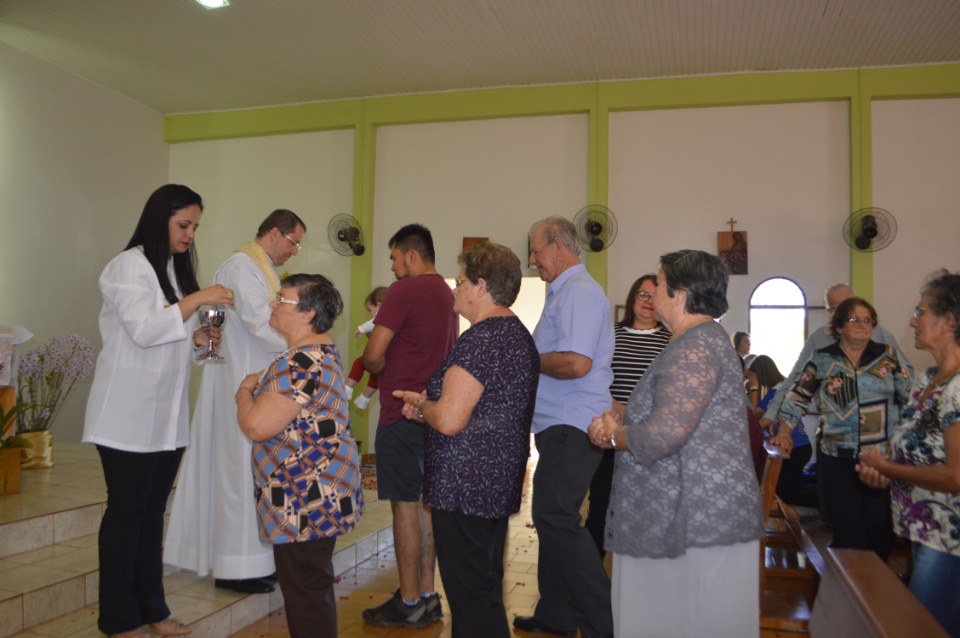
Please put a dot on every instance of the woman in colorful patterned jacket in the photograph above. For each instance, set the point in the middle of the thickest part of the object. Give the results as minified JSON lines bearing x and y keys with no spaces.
{"x":924,"y":474}
{"x":306,"y":467}
{"x":860,"y":386}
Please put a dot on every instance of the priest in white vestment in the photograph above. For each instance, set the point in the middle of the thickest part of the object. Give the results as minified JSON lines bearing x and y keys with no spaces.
{"x":213,"y":524}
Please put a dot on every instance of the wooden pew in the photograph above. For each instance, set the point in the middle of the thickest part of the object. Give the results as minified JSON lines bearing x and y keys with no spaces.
{"x":790,"y":564}
{"x":859,"y":596}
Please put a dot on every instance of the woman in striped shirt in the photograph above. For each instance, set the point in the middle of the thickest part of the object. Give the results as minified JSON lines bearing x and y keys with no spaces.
{"x":639,"y":339}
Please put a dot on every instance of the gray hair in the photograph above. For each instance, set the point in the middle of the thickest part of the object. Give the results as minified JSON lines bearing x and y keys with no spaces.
{"x":703,"y":276}
{"x":561,"y":228}
{"x":835,"y":288}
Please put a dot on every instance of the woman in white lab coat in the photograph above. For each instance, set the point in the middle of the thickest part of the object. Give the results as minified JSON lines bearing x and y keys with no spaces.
{"x":137,"y":413}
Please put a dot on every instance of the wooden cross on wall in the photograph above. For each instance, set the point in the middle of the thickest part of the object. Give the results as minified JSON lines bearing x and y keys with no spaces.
{"x":732,"y":248}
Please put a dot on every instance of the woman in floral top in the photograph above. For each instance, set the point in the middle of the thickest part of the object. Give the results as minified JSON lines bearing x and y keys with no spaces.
{"x":478,"y":407}
{"x":860,"y":386}
{"x":924,"y":474}
{"x":306,"y":467}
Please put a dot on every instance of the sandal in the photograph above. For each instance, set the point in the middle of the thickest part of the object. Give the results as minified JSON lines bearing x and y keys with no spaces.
{"x":170,"y":627}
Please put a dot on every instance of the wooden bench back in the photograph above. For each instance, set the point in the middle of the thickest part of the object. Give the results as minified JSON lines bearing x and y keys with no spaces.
{"x":860,"y":596}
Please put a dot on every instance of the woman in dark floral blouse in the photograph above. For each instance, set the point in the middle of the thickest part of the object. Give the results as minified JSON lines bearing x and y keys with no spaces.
{"x":479,"y":405}
{"x":924,"y":474}
{"x":306,"y":467}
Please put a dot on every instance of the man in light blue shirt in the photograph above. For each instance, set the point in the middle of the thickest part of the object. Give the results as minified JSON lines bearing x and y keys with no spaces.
{"x":575,"y":339}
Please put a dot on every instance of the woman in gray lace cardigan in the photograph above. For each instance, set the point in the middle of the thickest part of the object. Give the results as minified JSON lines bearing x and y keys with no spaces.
{"x":684,"y":520}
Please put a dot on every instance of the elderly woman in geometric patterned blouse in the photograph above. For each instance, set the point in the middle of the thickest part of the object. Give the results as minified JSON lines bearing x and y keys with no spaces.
{"x":924,"y":474}
{"x":860,"y":385}
{"x":306,"y":467}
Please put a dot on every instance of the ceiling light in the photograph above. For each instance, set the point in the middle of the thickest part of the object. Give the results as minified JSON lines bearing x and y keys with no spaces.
{"x":214,"y":4}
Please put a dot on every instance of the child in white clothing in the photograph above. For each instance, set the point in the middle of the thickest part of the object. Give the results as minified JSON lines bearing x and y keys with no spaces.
{"x":372,"y":302}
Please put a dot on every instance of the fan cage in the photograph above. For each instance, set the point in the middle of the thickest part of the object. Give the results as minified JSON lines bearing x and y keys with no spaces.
{"x":599,"y":237}
{"x":870,"y":229}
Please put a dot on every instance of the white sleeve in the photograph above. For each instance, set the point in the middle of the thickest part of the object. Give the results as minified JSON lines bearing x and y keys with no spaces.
{"x":131,"y":287}
{"x":365,"y":328}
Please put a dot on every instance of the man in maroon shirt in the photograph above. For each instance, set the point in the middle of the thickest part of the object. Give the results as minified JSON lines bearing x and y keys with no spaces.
{"x":413,"y":332}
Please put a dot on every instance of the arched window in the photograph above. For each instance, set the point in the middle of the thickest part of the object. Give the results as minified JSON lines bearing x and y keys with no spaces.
{"x":778,"y":321}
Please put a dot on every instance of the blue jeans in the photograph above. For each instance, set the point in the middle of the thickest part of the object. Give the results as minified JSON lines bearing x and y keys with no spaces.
{"x":935,"y":581}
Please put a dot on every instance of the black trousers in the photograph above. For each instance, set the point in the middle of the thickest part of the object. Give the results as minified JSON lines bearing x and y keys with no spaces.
{"x":790,"y":483}
{"x":131,"y":537}
{"x":600,"y":487}
{"x":574,"y":587}
{"x":860,"y":515}
{"x":470,"y":557}
{"x":305,"y":574}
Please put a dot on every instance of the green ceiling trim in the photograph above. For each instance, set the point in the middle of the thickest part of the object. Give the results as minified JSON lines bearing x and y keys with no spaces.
{"x":859,"y":87}
{"x":919,"y":82}
{"x":478,"y":105}
{"x":729,"y":90}
{"x":277,"y":120}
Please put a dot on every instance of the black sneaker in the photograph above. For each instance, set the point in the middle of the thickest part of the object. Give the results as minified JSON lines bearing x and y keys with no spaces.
{"x":434,"y":609}
{"x":395,"y":613}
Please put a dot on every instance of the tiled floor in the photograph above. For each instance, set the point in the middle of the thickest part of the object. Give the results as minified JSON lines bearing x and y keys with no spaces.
{"x":48,"y":562}
{"x":49,"y":578}
{"x":375,"y":580}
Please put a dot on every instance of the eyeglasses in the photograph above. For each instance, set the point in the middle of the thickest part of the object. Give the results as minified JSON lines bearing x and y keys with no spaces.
{"x":643,"y":294}
{"x":918,"y":312}
{"x":458,"y":282}
{"x":296,"y":244}
{"x":868,"y":320}
{"x":281,"y":299}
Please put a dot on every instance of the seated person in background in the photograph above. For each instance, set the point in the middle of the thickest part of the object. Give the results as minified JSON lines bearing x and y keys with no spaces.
{"x":796,"y":443}
{"x":372,"y":303}
{"x":305,"y":462}
{"x":741,"y":343}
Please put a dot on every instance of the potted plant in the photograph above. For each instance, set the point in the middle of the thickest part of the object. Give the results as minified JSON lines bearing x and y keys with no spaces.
{"x":10,"y":446}
{"x":46,"y":378}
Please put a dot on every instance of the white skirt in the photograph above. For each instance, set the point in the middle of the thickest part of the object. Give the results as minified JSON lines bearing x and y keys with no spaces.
{"x":707,"y":592}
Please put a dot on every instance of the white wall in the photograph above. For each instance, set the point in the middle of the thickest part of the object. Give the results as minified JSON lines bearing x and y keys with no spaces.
{"x":77,"y":163}
{"x":244,"y":180}
{"x":916,"y":176}
{"x":781,"y":171}
{"x":488,"y":178}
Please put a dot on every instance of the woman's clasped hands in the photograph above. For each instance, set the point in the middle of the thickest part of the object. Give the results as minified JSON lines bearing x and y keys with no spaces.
{"x":602,"y":428}
{"x":869,"y":469}
{"x":411,"y":404}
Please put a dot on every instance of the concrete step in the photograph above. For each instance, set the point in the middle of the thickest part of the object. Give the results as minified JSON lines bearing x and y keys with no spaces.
{"x":49,"y":568}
